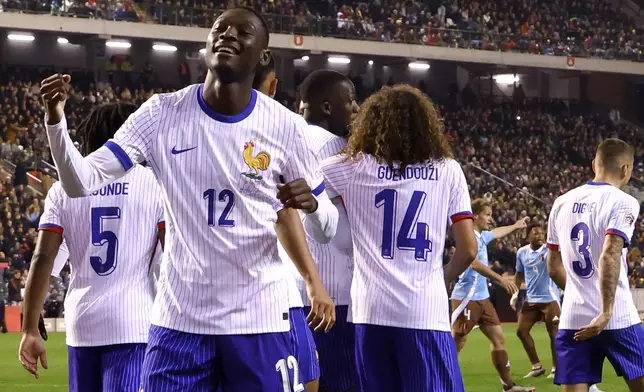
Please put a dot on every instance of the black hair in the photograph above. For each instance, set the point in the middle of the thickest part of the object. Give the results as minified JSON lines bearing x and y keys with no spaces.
{"x":261,"y":19}
{"x":319,"y":85}
{"x":101,"y":125}
{"x":262,"y":71}
{"x":532,"y":226}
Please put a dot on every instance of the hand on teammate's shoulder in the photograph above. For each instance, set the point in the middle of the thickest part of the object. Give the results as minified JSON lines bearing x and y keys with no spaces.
{"x":54,"y":90}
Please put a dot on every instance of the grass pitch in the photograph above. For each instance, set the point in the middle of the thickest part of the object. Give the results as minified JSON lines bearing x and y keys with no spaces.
{"x":478,"y":372}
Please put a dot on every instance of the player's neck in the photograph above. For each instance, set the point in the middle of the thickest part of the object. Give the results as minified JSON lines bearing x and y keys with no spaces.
{"x":535,"y":246}
{"x":606,"y":179}
{"x":226,"y":98}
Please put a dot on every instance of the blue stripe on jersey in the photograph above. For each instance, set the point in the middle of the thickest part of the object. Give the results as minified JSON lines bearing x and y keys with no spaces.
{"x":222,"y":117}
{"x":319,"y":189}
{"x":120,"y":154}
{"x":620,"y":233}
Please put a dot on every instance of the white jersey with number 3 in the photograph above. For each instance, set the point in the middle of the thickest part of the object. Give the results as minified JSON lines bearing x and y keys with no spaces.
{"x":578,"y":224}
{"x":110,"y":237}
{"x":399,"y":222}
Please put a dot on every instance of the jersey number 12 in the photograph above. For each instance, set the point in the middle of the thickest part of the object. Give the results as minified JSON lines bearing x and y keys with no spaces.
{"x":420,"y":244}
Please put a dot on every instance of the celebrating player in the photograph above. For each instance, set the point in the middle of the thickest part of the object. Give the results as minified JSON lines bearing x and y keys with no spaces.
{"x":541,"y":302}
{"x":471,"y":298}
{"x":219,"y":151}
{"x":111,"y":236}
{"x":328,"y":104}
{"x":266,"y":82}
{"x":398,"y":171}
{"x":588,"y":231}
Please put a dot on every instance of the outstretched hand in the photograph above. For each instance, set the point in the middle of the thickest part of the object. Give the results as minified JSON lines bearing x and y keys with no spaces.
{"x":54,"y":91}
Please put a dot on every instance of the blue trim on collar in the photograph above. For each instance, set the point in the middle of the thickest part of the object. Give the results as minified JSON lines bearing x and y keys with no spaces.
{"x":222,"y":117}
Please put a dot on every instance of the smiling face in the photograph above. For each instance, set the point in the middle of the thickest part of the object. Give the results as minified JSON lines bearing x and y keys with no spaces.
{"x":236,"y":44}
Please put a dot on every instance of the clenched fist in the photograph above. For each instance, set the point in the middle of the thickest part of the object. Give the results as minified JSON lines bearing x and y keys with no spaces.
{"x":54,"y":91}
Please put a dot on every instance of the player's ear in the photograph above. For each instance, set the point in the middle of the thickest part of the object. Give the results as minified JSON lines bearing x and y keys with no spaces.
{"x":326,"y":108}
{"x":265,"y":57}
{"x":594,"y":171}
{"x":273,"y":88}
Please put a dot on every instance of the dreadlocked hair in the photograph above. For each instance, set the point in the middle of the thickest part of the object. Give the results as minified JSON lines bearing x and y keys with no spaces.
{"x":101,"y":125}
{"x":399,"y":125}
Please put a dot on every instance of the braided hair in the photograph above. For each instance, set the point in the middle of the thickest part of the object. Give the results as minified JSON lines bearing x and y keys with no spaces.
{"x":101,"y":125}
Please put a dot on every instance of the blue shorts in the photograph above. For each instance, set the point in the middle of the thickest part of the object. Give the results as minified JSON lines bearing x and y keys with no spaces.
{"x":337,"y":351}
{"x":178,"y":361}
{"x":115,"y":368}
{"x":307,"y":356}
{"x":406,"y":360}
{"x":582,"y":362}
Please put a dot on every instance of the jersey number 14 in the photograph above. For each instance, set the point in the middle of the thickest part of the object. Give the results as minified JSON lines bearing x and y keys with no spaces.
{"x":420,"y":244}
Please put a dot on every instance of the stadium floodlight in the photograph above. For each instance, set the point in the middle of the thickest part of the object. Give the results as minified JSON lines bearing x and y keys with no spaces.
{"x":21,"y":37}
{"x":164,"y":48}
{"x":339,"y":60}
{"x":202,"y":50}
{"x":418,"y":65}
{"x":304,"y":58}
{"x":506,"y":78}
{"x":118,"y":44}
{"x":63,"y":40}
{"x":370,"y":62}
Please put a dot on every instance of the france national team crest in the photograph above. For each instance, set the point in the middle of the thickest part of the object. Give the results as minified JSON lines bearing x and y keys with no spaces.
{"x":257,"y":162}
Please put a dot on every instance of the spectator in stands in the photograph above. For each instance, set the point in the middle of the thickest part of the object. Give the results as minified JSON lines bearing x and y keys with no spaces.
{"x":3,"y":291}
{"x":15,"y":286}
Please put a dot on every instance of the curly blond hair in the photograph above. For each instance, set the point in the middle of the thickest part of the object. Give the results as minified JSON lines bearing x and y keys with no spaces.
{"x":399,"y":125}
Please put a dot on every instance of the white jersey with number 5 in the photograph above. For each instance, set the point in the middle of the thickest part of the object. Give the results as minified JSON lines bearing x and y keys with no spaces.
{"x":578,"y":224}
{"x":111,"y":237}
{"x":399,"y":223}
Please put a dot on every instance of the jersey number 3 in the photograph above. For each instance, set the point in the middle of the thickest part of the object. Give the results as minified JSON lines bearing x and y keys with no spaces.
{"x":581,"y":233}
{"x":420,"y":244}
{"x":102,"y":237}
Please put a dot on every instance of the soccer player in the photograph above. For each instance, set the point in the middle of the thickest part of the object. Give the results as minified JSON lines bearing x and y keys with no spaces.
{"x":402,"y":188}
{"x":111,"y":236}
{"x":328,"y":103}
{"x":589,"y":230}
{"x":542,"y":302}
{"x":219,"y":150}
{"x":266,"y":82}
{"x":471,"y":298}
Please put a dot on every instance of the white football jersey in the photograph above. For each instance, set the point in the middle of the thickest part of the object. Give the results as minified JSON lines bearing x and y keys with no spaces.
{"x":221,"y":272}
{"x":111,"y":236}
{"x":578,"y":223}
{"x":399,"y":224}
{"x":335,"y":258}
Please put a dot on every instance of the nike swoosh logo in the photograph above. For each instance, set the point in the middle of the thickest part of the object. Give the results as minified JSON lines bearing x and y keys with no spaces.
{"x":175,"y":151}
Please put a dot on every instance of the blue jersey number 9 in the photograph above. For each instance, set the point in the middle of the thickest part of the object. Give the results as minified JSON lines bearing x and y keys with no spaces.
{"x":420,"y":244}
{"x":102,"y":237}
{"x":581,"y":233}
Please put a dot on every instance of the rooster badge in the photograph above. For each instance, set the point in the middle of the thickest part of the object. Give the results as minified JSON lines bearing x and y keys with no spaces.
{"x":257,"y":163}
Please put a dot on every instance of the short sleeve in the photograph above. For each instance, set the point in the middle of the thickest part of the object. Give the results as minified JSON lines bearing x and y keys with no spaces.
{"x":132,"y":142}
{"x":61,"y":259}
{"x":519,"y":266}
{"x":487,"y":237}
{"x":303,"y":161}
{"x":553,"y":241}
{"x":621,"y":221}
{"x":460,"y":204}
{"x":51,"y":218}
{"x":338,"y":171}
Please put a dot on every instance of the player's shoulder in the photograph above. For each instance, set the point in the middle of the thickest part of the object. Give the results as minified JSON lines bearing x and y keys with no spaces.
{"x":619,"y":196}
{"x":56,"y":191}
{"x":268,"y":107}
{"x":173,"y":98}
{"x":522,"y":250}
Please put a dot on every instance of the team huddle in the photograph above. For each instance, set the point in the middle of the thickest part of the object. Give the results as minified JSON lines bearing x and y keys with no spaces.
{"x":234,"y":245}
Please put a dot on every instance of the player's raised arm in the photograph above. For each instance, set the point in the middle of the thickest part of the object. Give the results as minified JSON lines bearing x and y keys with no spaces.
{"x":555,"y":266}
{"x":504,"y":231}
{"x":489,"y":273}
{"x":304,"y":188}
{"x":80,"y":176}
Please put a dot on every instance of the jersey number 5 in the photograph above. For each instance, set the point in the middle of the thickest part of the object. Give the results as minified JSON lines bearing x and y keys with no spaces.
{"x":102,"y":237}
{"x":581,"y":233}
{"x":420,"y":244}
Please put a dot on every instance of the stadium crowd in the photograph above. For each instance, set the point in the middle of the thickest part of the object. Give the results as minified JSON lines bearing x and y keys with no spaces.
{"x":560,"y":27}
{"x":519,"y":155}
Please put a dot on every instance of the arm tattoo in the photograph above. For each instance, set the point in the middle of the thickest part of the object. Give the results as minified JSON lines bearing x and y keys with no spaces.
{"x":609,"y":267}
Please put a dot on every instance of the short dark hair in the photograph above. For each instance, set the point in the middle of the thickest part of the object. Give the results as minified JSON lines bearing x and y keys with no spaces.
{"x":532,"y":226}
{"x":101,"y":125}
{"x":478,"y":205}
{"x":262,"y":72}
{"x":261,"y":19}
{"x":612,"y":152}
{"x":318,"y":85}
